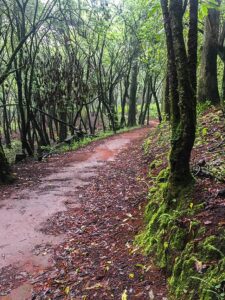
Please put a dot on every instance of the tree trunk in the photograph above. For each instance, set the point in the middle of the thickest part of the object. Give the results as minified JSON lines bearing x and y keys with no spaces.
{"x":133,"y":95}
{"x":193,"y":44}
{"x":183,"y":133}
{"x":208,"y":84}
{"x":6,"y":125}
{"x":183,"y":123}
{"x":143,"y":100}
{"x":62,"y":127}
{"x":147,"y":104}
{"x":157,"y":106}
{"x":172,"y":72}
{"x":123,"y":102}
{"x":223,"y":84}
{"x":5,"y":176}
{"x":23,"y":130}
{"x":166,"y":97}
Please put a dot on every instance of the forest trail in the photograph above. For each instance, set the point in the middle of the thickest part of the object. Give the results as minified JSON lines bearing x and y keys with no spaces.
{"x":60,"y":221}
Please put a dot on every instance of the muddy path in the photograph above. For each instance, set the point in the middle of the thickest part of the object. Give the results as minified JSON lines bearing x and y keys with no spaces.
{"x":48,"y":211}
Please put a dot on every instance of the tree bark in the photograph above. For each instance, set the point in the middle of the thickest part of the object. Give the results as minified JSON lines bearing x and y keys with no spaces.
{"x":172,"y":72}
{"x":133,"y":95}
{"x":166,"y":97}
{"x":193,"y":44}
{"x":183,"y":133}
{"x":208,"y":84}
{"x":183,"y":104}
{"x":6,"y":123}
{"x":5,"y":176}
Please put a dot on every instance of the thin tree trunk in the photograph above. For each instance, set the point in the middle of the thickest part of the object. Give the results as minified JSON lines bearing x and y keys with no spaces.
{"x":143,"y":101}
{"x":208,"y":84}
{"x":172,"y":72}
{"x":133,"y":96}
{"x":6,"y":125}
{"x":5,"y":176}
{"x":158,"y":107}
{"x":166,"y":96}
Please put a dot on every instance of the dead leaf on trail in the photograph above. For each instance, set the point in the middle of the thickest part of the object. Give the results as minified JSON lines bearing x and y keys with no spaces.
{"x":151,"y":295}
{"x":140,"y":266}
{"x":124,"y":295}
{"x":95,"y":286}
{"x":67,"y":290}
{"x":208,"y":223}
{"x":129,"y":215}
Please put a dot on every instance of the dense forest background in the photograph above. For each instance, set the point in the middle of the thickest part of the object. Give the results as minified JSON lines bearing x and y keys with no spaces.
{"x":76,"y":66}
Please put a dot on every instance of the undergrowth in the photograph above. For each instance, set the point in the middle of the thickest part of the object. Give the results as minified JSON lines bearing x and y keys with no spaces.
{"x":62,"y":147}
{"x":192,"y":256}
{"x":86,"y":140}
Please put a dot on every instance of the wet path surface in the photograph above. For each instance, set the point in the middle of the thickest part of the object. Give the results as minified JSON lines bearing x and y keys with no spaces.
{"x":22,"y":216}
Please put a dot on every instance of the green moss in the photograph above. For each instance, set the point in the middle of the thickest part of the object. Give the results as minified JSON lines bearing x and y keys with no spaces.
{"x":177,"y":240}
{"x":213,"y":247}
{"x":163,"y":176}
{"x":200,"y":270}
{"x":193,"y":257}
{"x":163,"y":235}
{"x":155,"y":164}
{"x":205,"y":284}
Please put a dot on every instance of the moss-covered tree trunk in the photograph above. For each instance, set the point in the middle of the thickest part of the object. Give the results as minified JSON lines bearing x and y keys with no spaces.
{"x":193,"y":45}
{"x":172,"y":72}
{"x":166,"y":97}
{"x":208,"y":84}
{"x":182,"y":96}
{"x":183,"y":133}
{"x":223,"y":85}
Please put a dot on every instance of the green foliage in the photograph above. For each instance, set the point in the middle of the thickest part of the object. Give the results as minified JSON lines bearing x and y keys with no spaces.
{"x":199,"y":271}
{"x":195,"y":261}
{"x":83,"y":142}
{"x":11,"y":153}
{"x":193,"y":256}
{"x":202,"y":107}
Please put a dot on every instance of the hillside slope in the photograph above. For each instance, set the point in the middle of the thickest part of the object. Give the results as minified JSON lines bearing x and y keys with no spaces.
{"x":189,"y":239}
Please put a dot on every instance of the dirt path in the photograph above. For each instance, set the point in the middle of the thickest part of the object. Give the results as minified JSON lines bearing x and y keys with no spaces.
{"x":68,"y":235}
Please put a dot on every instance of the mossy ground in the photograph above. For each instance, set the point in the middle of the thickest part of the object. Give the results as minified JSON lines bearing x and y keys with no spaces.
{"x":187,"y":234}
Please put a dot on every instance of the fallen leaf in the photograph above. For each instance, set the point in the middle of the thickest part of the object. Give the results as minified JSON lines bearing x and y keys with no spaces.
{"x":95,"y":286}
{"x":151,"y":295}
{"x":67,"y":290}
{"x":131,"y":275}
{"x":209,"y":222}
{"x":124,"y":295}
